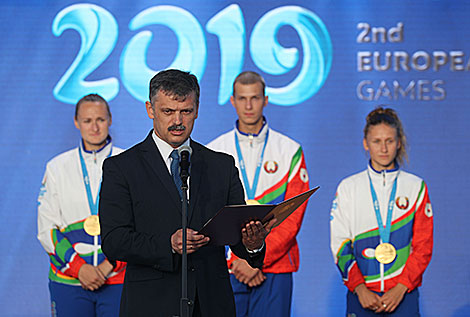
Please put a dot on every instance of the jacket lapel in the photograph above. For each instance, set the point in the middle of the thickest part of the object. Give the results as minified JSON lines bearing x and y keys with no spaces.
{"x":152,"y":156}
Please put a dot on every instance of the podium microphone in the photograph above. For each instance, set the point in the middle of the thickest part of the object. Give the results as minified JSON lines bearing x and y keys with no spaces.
{"x":184,"y":153}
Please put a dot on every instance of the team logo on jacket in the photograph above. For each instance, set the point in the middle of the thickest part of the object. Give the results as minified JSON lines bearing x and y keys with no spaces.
{"x":428,"y":210}
{"x":334,"y":205}
{"x":368,"y":253}
{"x":402,"y":202}
{"x":42,"y":191}
{"x":271,"y":167}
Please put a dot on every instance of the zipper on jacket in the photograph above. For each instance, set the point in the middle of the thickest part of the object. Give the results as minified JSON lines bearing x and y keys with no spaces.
{"x":251,"y":137}
{"x":382,"y":278}
{"x":382,"y":275}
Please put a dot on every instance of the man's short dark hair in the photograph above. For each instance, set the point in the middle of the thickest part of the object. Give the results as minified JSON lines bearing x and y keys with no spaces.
{"x":91,"y":98}
{"x":175,"y":83}
{"x":248,"y":78}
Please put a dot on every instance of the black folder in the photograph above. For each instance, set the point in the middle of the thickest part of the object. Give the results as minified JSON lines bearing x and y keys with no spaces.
{"x":225,"y":227}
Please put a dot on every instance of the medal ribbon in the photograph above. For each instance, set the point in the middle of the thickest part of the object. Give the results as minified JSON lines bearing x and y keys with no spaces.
{"x":86,"y":180}
{"x":250,"y":190}
{"x":384,"y":231}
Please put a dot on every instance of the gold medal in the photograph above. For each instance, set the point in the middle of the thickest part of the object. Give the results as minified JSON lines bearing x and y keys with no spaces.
{"x":385,"y":253}
{"x":92,"y":225}
{"x":252,"y":202}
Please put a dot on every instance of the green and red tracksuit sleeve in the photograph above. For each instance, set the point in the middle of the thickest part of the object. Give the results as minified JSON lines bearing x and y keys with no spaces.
{"x":421,"y":243}
{"x":65,"y":258}
{"x":282,"y":254}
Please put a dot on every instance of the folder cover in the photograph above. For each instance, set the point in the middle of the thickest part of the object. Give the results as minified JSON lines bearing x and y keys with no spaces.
{"x":225,"y":227}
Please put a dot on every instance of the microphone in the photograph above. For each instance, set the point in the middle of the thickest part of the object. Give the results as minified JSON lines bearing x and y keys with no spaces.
{"x":184,"y":153}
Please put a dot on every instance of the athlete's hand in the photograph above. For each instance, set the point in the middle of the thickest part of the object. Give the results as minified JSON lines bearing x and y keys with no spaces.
{"x":367,"y":298}
{"x":105,"y":267}
{"x":392,"y":298}
{"x":90,"y":277}
{"x":257,"y":280}
{"x":243,"y":271}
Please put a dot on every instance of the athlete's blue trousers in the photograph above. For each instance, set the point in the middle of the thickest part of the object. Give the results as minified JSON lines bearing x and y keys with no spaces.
{"x":272,"y":298}
{"x":71,"y":301}
{"x":409,"y":306}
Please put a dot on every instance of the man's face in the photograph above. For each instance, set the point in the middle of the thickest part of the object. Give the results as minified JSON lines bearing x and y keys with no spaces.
{"x":249,"y":102}
{"x":93,"y":121}
{"x":383,"y":144}
{"x":173,"y":120}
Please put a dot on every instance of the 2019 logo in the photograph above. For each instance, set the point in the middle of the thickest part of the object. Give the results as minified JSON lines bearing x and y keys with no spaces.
{"x":99,"y":33}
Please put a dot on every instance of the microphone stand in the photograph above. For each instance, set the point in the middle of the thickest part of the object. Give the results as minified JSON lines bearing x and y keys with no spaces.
{"x":185,"y":302}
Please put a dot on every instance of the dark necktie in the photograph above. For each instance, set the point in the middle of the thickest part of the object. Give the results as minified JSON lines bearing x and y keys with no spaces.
{"x":175,"y":171}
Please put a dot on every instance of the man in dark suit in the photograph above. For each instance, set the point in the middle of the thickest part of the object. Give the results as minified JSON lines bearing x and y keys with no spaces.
{"x":140,"y":211}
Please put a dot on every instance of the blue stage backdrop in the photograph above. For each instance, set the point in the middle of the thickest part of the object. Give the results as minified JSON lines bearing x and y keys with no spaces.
{"x":326,"y":63}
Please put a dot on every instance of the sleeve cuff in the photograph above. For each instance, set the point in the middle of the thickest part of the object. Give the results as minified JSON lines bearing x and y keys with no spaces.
{"x":75,"y":266}
{"x":405,"y":282}
{"x":253,"y":252}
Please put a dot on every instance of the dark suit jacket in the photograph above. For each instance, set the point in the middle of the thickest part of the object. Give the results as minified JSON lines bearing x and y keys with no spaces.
{"x":139,"y":211}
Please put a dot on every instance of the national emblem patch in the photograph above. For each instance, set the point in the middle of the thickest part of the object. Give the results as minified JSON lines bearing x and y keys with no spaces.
{"x":271,"y":167}
{"x":402,"y":202}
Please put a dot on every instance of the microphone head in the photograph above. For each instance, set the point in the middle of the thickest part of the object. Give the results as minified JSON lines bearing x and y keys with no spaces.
{"x":185,"y":148}
{"x":184,"y":153}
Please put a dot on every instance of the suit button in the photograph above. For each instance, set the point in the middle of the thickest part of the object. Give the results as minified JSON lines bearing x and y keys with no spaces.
{"x":192,"y":269}
{"x":156,"y":267}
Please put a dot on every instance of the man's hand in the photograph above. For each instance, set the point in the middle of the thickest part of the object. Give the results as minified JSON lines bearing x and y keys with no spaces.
{"x":90,"y":277}
{"x":246,"y":274}
{"x":254,"y":233}
{"x":368,"y":299}
{"x":194,"y":241}
{"x":392,"y":298}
